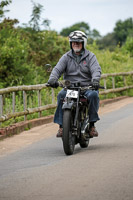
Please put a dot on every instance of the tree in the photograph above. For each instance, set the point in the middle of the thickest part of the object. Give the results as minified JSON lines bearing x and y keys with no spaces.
{"x":122,"y":30}
{"x":36,"y":17}
{"x":95,"y":34}
{"x":82,"y":26}
{"x":2,"y":5}
{"x":8,"y":23}
{"x":108,"y":41}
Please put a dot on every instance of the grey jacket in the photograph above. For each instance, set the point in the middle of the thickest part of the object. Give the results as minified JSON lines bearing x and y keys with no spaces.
{"x":84,"y":72}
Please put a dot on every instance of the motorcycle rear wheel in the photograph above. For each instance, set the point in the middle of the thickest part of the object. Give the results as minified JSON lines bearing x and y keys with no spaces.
{"x":68,"y":138}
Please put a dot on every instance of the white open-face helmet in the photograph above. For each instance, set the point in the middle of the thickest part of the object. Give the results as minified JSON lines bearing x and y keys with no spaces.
{"x":78,"y":36}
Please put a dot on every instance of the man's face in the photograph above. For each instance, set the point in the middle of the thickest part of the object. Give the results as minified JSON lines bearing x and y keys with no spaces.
{"x":77,"y":46}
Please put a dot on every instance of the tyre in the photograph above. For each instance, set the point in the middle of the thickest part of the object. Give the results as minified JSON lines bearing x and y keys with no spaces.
{"x":84,"y":141}
{"x":68,"y":138}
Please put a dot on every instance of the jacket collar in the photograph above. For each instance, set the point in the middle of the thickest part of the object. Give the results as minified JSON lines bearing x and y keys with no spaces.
{"x":86,"y":53}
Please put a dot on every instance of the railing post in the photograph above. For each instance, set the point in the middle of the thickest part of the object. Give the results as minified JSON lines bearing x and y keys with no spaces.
{"x":124,"y":79}
{"x":25,"y":104}
{"x":13,"y":102}
{"x":105,"y":85}
{"x":125,"y":84}
{"x":1,"y":106}
{"x":113,"y":82}
{"x":53,"y":96}
{"x":39,"y":102}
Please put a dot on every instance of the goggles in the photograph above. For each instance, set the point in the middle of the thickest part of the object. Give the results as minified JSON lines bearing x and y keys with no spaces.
{"x":79,"y":35}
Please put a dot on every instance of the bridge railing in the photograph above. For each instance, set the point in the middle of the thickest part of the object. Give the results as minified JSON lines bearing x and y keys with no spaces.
{"x":106,"y":78}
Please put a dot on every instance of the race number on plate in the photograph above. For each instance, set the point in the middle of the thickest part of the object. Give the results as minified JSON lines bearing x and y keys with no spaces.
{"x":72,"y":94}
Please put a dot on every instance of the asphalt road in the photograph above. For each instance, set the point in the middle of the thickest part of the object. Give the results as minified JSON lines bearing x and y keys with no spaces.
{"x":103,"y":171}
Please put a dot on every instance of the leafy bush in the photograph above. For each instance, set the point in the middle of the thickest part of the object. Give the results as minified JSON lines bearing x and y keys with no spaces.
{"x":128,"y":46}
{"x":14,"y":68}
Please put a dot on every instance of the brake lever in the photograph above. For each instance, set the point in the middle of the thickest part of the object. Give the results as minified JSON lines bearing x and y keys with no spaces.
{"x":61,"y":84}
{"x":101,"y":87}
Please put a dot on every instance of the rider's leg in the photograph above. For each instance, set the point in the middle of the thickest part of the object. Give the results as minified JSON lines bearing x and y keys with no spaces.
{"x":93,"y":99}
{"x":58,"y":117}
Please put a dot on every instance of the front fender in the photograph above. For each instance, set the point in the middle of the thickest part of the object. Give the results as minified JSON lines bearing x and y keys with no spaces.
{"x":67,"y":105}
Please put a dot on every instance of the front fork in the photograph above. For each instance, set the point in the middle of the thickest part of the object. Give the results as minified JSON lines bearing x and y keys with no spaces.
{"x":77,"y":109}
{"x":69,"y":104}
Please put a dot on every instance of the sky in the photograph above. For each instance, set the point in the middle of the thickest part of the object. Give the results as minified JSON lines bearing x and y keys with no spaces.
{"x":101,"y":15}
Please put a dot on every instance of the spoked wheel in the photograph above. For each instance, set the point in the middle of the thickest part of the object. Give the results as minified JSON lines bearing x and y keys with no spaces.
{"x":68,"y":138}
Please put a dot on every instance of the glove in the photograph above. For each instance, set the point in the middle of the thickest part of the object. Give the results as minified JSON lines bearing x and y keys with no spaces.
{"x":95,"y":84}
{"x":53,"y":83}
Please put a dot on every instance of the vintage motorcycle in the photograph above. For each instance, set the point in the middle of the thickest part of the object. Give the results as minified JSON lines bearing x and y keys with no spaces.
{"x":75,"y":117}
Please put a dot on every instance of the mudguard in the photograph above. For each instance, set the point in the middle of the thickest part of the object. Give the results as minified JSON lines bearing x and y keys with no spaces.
{"x":67,"y":105}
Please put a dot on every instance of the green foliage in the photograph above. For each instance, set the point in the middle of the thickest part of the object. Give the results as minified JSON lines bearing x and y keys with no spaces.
{"x":122,"y":30}
{"x":82,"y":26}
{"x":36,"y":17}
{"x":112,"y":61}
{"x":95,"y":34}
{"x":108,"y":41}
{"x":24,"y":53}
{"x":46,"y":47}
{"x":14,"y":68}
{"x":128,"y":46}
{"x":2,"y":5}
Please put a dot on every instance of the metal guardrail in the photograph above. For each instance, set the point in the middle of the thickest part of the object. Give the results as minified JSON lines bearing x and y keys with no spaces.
{"x":39,"y":87}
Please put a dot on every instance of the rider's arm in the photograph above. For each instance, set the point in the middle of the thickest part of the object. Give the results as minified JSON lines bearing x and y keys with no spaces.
{"x":95,"y":68}
{"x":59,"y":69}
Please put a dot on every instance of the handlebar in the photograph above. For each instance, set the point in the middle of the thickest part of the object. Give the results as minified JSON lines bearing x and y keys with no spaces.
{"x":90,"y":86}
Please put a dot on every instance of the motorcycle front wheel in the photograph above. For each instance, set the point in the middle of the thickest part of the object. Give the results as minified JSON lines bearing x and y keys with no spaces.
{"x":68,"y":138}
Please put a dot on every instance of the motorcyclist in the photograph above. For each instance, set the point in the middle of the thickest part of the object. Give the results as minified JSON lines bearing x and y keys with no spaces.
{"x":78,"y":65}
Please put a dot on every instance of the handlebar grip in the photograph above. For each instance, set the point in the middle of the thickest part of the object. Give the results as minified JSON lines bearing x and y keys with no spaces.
{"x":101,"y":87}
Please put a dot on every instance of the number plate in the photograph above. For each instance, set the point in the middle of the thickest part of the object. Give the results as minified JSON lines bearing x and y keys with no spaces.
{"x":72,"y":94}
